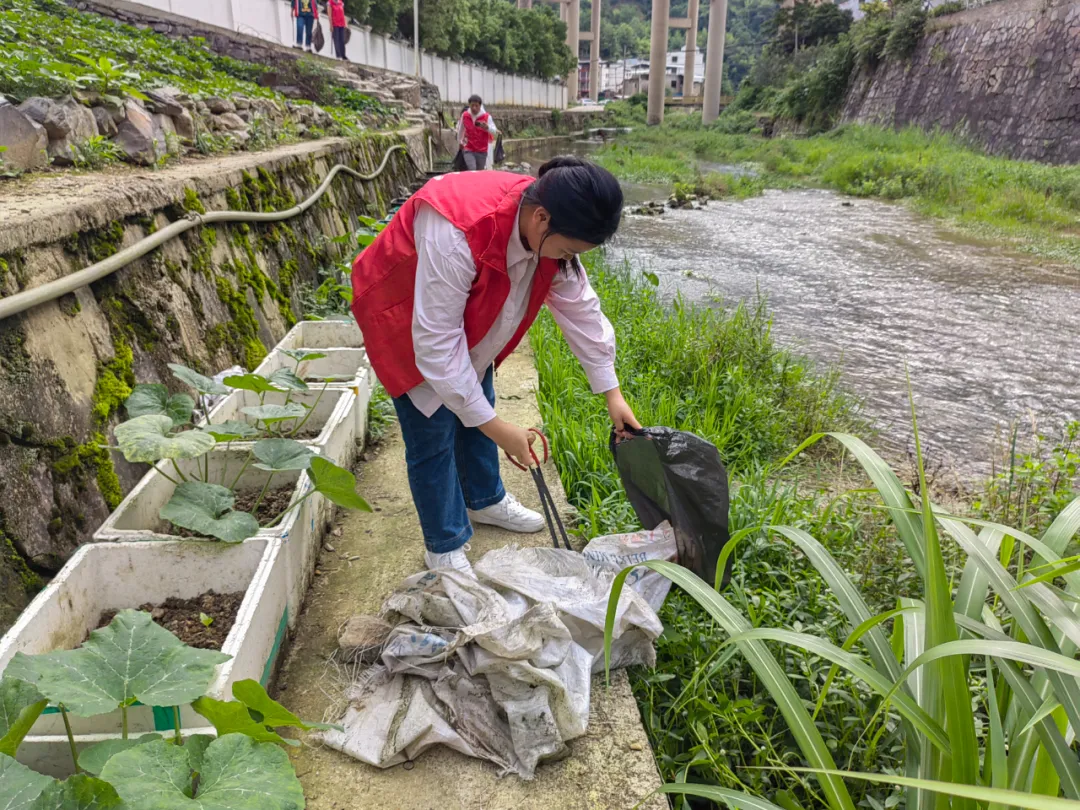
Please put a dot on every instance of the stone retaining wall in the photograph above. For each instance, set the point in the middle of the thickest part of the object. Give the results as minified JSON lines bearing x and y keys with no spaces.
{"x":213,"y":298}
{"x":1006,"y":75}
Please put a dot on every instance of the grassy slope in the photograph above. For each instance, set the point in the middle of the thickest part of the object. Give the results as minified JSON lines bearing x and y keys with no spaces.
{"x":41,"y":42}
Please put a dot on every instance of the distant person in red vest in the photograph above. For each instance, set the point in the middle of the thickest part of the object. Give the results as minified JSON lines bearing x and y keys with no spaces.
{"x":476,"y":131}
{"x":338,"y":26}
{"x":446,"y":292}
{"x":306,"y":13}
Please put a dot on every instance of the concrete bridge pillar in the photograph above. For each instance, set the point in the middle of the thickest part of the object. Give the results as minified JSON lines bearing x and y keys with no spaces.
{"x":714,"y":60}
{"x":657,"y":60}
{"x":573,"y":23}
{"x":594,"y":52}
{"x":691,"y":49}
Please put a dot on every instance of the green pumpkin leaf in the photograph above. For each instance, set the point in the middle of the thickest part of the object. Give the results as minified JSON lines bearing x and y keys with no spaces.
{"x":147,"y":439}
{"x":20,"y":706}
{"x":196,"y":746}
{"x":272,"y":414}
{"x":93,"y":759}
{"x":79,"y":792}
{"x":282,"y":454}
{"x":232,"y":717}
{"x":195,"y":380}
{"x":336,"y":484}
{"x":131,"y":660}
{"x":19,"y":786}
{"x":252,"y":382}
{"x":208,"y":510}
{"x":230,"y":431}
{"x":154,"y":399}
{"x":286,"y":378}
{"x":300,"y":355}
{"x":237,"y":774}
{"x":264,"y":709}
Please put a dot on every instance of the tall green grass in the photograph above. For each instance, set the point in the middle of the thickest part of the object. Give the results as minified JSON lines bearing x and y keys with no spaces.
{"x":982,"y":669}
{"x":714,"y":371}
{"x":865,"y":632}
{"x":1035,"y":205}
{"x":718,"y":372}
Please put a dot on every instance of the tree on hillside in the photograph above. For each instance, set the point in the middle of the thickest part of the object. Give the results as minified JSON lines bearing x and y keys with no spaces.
{"x":807,"y":24}
{"x":492,"y":32}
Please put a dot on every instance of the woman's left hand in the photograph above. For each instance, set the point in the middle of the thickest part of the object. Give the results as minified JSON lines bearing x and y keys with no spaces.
{"x":621,"y":415}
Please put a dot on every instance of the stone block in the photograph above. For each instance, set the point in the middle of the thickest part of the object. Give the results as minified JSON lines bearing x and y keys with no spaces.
{"x":105,"y":123}
{"x":135,"y":135}
{"x":165,"y":102}
{"x":26,"y":140}
{"x":229,"y":122}
{"x":81,"y":125}
{"x":184,"y":124}
{"x":219,"y":106}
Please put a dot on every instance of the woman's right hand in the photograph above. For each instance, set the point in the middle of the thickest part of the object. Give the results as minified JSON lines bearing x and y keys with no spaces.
{"x":513,"y":439}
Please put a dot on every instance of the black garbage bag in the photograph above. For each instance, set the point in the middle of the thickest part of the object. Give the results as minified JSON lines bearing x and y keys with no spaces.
{"x":678,"y":477}
{"x":459,"y":162}
{"x":500,"y":151}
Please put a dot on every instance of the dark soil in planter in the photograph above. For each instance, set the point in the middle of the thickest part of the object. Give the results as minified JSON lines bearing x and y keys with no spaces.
{"x":273,"y":503}
{"x":181,"y":617}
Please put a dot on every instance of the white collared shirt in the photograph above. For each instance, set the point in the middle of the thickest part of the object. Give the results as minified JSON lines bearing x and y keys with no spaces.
{"x":445,"y":271}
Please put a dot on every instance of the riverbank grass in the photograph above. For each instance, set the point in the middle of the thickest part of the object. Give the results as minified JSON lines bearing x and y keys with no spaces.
{"x":714,"y":371}
{"x":819,"y":553}
{"x":1032,"y":205}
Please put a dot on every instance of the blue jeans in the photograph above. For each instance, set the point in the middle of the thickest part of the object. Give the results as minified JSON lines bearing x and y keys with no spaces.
{"x":451,"y":468}
{"x":305,"y":23}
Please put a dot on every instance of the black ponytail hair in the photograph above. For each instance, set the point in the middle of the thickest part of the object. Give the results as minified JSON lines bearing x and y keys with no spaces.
{"x":584,"y":200}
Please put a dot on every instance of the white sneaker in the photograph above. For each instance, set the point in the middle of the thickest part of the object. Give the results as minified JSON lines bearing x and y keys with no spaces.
{"x":455,"y":559}
{"x":509,"y":514}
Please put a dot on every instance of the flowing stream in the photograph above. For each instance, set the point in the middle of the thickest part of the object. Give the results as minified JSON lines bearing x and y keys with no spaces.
{"x":989,"y":336}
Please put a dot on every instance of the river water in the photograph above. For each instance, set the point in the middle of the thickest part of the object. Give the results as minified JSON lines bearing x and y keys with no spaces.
{"x":989,"y":336}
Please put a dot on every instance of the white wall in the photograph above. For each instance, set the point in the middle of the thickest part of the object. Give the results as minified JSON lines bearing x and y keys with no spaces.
{"x":272,"y":20}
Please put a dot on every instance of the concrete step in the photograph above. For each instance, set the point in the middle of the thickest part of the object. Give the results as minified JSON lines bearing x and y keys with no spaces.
{"x":610,"y":768}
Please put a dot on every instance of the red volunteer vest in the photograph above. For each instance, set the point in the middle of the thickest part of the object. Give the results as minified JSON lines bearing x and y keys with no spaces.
{"x":477,"y":136}
{"x":481,"y":204}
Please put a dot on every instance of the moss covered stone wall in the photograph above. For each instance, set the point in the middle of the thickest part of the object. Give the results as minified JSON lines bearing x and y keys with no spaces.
{"x":215,"y":297}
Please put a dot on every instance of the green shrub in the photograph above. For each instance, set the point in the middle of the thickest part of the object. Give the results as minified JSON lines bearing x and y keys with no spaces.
{"x":95,"y":153}
{"x":948,"y":7}
{"x":735,"y":122}
{"x":906,"y":31}
{"x":868,"y":37}
{"x":814,"y":98}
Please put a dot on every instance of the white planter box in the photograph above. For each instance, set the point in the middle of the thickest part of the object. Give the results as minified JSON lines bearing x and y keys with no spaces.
{"x":323,"y":335}
{"x":345,"y":364}
{"x":333,"y":419}
{"x":137,"y":518}
{"x":112,"y":576}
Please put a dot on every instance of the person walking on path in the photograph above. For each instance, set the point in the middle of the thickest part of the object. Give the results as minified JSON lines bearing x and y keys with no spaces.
{"x":446,"y":292}
{"x":338,"y":26}
{"x":306,"y":13}
{"x":476,"y":132}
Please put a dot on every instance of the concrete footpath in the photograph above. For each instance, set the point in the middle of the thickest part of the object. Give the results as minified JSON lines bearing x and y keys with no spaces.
{"x":610,"y":768}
